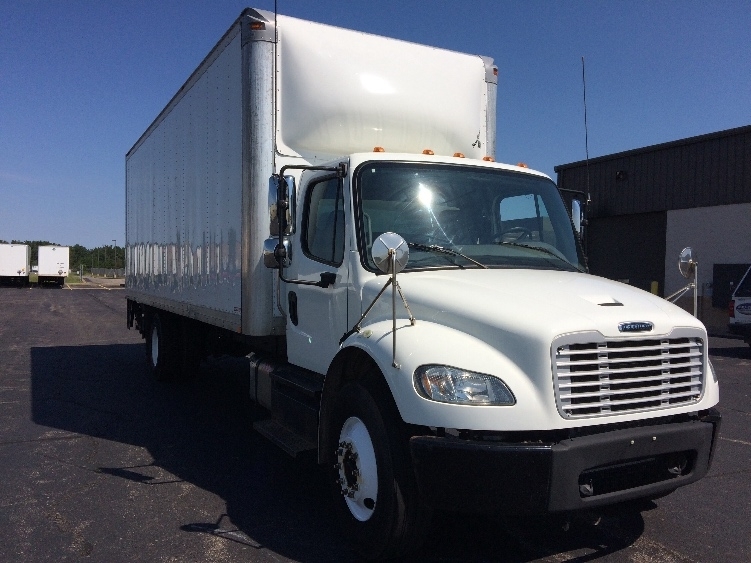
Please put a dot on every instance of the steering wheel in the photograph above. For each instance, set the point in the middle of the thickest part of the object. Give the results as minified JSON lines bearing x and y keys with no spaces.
{"x":521,"y":234}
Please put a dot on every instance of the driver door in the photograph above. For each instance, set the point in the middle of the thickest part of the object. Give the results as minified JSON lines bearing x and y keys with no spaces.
{"x":317,"y":316}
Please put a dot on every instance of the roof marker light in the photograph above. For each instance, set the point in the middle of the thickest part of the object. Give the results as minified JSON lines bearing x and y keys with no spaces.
{"x":488,"y":159}
{"x":257,"y":26}
{"x":459,"y":155}
{"x":379,"y":149}
{"x":427,"y":151}
{"x":522,"y":165}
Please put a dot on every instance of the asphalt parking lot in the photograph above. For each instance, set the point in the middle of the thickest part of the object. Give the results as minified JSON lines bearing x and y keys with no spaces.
{"x":99,"y":463}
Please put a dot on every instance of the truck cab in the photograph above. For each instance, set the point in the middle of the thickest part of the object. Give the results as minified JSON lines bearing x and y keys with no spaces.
{"x":493,"y":355}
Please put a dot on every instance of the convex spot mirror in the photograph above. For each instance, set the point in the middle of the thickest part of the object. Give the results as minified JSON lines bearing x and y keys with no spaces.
{"x":383,"y":248}
{"x":686,"y":263}
{"x":287,"y":198}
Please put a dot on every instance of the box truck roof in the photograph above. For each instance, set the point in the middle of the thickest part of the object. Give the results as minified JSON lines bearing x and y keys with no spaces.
{"x":343,"y":91}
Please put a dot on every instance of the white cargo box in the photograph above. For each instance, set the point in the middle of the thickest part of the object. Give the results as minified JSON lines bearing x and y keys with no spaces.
{"x":53,"y":261}
{"x":197,"y":180}
{"x":15,"y":260}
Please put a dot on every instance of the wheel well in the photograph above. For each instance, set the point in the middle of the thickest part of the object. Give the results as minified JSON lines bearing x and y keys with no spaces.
{"x":350,"y":365}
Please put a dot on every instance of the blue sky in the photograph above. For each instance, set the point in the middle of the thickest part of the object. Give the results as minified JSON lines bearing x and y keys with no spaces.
{"x":80,"y":81}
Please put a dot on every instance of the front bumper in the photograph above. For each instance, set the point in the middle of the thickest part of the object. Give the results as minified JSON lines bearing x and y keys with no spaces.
{"x":579,"y":473}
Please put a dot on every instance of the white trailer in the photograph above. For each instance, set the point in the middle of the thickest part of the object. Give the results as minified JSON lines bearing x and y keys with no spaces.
{"x":15,"y":264}
{"x":270,"y":208}
{"x":53,"y":264}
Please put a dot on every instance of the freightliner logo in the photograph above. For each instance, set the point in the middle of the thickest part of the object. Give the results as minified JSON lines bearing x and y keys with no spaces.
{"x":635,"y":326}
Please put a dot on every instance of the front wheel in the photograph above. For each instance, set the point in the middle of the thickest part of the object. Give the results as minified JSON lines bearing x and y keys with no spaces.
{"x":376,"y":497}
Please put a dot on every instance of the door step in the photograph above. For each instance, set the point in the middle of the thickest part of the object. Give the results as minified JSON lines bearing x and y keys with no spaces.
{"x":283,"y":437}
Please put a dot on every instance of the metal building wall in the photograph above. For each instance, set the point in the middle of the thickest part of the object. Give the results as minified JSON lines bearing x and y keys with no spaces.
{"x":649,"y":203}
{"x":704,"y":171}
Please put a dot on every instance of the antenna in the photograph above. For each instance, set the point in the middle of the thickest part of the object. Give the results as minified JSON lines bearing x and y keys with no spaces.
{"x":586,"y":130}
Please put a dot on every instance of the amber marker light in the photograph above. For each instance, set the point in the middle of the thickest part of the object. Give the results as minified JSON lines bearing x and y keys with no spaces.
{"x":458,"y":155}
{"x":257,"y":26}
{"x":379,"y":149}
{"x":427,"y":151}
{"x":488,"y":159}
{"x":522,"y":165}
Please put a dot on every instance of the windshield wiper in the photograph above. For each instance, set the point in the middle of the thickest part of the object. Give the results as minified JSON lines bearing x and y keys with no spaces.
{"x":443,"y":250}
{"x":540,"y":249}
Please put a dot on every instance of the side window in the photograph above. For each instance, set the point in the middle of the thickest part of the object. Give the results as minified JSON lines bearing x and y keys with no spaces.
{"x":323,"y":222}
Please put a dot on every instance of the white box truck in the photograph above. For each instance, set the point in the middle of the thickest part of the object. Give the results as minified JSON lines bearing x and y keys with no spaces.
{"x":416,"y":314}
{"x":15,"y":264}
{"x":53,"y":264}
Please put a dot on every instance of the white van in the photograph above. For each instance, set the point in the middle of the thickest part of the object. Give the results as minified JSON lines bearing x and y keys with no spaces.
{"x":739,"y":308}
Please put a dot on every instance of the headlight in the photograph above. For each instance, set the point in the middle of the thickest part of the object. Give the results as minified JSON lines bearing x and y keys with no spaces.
{"x":453,"y":385}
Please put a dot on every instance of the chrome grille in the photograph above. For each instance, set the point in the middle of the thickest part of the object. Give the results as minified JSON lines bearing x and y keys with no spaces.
{"x":618,"y":376}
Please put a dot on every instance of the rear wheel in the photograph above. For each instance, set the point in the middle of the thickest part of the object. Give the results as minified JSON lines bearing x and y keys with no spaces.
{"x":376,"y":497}
{"x":161,"y":349}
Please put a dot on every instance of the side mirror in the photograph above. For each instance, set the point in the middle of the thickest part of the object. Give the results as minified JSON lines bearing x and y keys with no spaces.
{"x":686,"y":262}
{"x":388,"y":249}
{"x":282,"y":205}
{"x":576,"y":214}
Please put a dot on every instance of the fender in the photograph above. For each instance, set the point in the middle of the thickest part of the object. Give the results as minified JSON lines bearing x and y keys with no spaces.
{"x":428,"y":342}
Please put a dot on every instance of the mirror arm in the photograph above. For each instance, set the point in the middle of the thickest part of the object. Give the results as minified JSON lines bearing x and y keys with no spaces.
{"x":673,"y":297}
{"x":358,"y":324}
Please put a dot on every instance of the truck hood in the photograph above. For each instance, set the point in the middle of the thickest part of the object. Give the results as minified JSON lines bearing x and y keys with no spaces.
{"x":531,"y":305}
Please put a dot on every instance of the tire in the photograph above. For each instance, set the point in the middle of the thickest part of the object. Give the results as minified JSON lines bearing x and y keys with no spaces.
{"x":161,"y":350}
{"x":375,"y":493}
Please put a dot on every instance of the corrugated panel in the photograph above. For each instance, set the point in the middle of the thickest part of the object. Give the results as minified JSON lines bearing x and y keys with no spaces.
{"x":702,"y":171}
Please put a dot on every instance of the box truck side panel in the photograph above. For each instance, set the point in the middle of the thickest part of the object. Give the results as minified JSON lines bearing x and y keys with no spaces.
{"x":184,"y":197}
{"x":343,"y":91}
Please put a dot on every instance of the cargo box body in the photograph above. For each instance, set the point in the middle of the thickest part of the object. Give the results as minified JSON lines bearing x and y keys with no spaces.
{"x":53,"y":264}
{"x":15,"y":263}
{"x":197,"y":180}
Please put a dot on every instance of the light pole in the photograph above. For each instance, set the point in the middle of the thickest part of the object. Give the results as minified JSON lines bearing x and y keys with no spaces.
{"x":114,"y":249}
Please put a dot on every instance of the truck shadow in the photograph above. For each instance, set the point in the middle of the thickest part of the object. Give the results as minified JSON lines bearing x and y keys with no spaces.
{"x":201,"y":433}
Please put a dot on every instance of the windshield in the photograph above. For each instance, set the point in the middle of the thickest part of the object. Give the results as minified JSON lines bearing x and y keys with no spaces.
{"x":458,"y":216}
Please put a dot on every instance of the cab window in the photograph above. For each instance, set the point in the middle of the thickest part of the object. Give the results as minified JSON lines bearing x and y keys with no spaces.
{"x":323,"y":222}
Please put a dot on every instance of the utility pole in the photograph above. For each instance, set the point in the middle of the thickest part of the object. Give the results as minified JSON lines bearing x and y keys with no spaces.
{"x":114,"y":249}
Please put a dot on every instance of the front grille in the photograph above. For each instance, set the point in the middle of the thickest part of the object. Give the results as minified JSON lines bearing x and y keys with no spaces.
{"x":608,"y":377}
